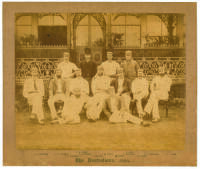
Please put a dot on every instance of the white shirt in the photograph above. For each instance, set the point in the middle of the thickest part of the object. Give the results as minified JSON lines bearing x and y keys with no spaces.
{"x":100,"y":84}
{"x":110,"y":67}
{"x":29,"y":86}
{"x":120,"y":85}
{"x":80,"y":83}
{"x":161,"y":84}
{"x":140,"y":85}
{"x":67,"y":68}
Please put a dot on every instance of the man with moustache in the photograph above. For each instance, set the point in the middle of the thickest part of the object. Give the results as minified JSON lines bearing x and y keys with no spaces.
{"x":160,"y":87}
{"x":140,"y":90}
{"x":100,"y":85}
{"x":110,"y":66}
{"x":57,"y":92}
{"x":130,"y":66}
{"x":88,"y":67}
{"x":34,"y":92}
{"x":67,"y":69}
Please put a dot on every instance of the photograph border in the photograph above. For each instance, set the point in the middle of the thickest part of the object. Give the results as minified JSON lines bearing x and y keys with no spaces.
{"x":15,"y":157}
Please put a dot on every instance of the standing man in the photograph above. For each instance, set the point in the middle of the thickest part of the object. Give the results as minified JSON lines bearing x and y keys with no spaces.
{"x":100,"y":85}
{"x":34,"y":92}
{"x":57,"y":92}
{"x":160,"y":87}
{"x":67,"y":69}
{"x":110,"y":66}
{"x":130,"y":66}
{"x":140,"y":90}
{"x":88,"y":67}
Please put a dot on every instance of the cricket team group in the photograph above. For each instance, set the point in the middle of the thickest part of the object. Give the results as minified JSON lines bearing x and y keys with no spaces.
{"x":108,"y":88}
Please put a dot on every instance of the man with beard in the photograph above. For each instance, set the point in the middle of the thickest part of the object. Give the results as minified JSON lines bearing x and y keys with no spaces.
{"x":34,"y":92}
{"x":122,"y":87}
{"x":57,"y":92}
{"x":160,"y":87}
{"x":140,"y":90}
{"x":79,"y":91}
{"x":100,"y":85}
{"x":88,"y":67}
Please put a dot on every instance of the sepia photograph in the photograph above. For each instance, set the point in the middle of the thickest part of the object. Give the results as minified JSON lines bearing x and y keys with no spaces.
{"x":100,"y":84}
{"x":100,"y":81}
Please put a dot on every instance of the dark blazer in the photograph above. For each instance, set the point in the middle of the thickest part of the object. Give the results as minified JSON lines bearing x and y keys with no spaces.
{"x":89,"y":69}
{"x":53,"y":87}
{"x":126,"y":85}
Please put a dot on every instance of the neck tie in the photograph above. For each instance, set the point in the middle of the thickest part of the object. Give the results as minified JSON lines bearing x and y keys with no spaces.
{"x":35,"y":85}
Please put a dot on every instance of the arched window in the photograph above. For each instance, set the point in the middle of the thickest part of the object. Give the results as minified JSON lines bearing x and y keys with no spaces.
{"x":125,"y":31}
{"x":155,"y":26}
{"x":23,"y":26}
{"x":89,"y":33}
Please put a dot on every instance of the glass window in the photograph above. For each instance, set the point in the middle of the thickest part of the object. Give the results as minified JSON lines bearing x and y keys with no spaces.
{"x":24,"y":20}
{"x":89,"y":32}
{"x":118,"y":36}
{"x":125,"y":31}
{"x":118,"y":20}
{"x":132,"y":36}
{"x":132,"y":20}
{"x":96,"y":36}
{"x":82,"y":36}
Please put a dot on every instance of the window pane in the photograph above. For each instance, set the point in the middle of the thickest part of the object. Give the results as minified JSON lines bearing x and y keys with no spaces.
{"x":82,"y":36}
{"x":59,"y":20}
{"x":132,"y":36}
{"x":45,"y":20}
{"x":164,"y":30}
{"x":24,"y":20}
{"x":118,"y":36}
{"x":84,"y":21}
{"x":94,"y":21}
{"x":97,"y":36}
{"x":118,"y":20}
{"x":153,"y":26}
{"x":132,"y":20}
{"x":22,"y":31}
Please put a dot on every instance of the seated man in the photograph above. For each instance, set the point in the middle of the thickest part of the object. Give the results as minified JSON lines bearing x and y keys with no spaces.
{"x":57,"y":92}
{"x":34,"y":92}
{"x":117,"y":112}
{"x":100,"y":84}
{"x":79,"y":91}
{"x":73,"y":107}
{"x":80,"y":82}
{"x":160,"y":87}
{"x":122,"y":87}
{"x":140,"y":90}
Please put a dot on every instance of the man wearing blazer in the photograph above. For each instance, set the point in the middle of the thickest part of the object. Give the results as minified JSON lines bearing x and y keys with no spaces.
{"x":34,"y":92}
{"x":57,"y":92}
{"x":122,"y":87}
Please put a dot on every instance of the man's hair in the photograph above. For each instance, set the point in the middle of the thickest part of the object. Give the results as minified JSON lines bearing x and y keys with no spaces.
{"x":87,"y":51}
